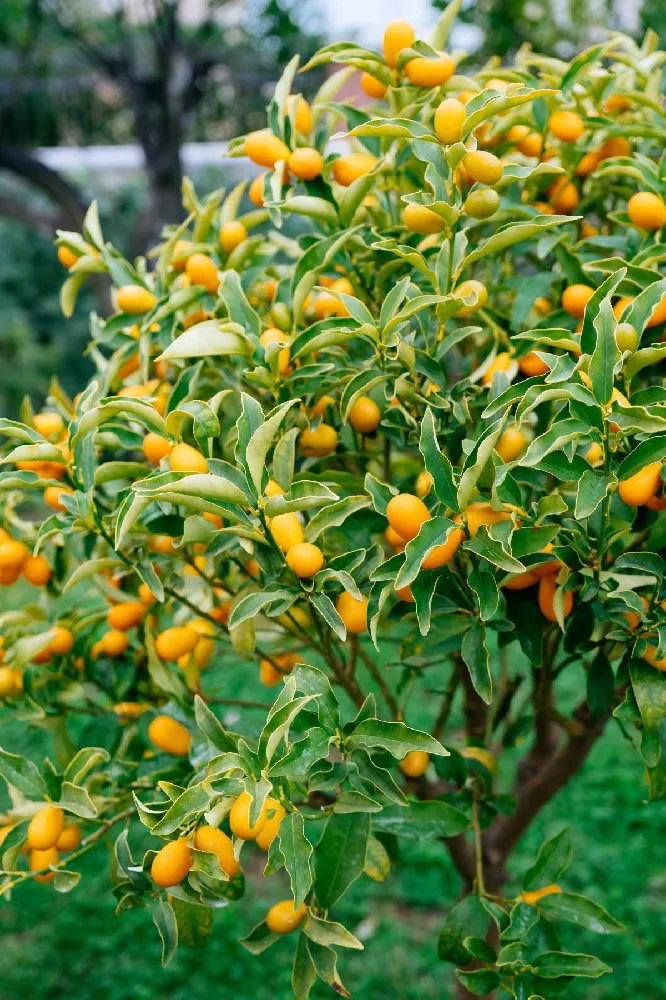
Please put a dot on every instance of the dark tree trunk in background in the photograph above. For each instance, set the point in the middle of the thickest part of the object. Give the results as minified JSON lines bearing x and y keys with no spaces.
{"x":52,"y":183}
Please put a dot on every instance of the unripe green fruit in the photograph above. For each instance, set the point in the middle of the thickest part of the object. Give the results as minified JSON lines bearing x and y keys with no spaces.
{"x":482,"y":204}
{"x":626,"y":337}
{"x":281,"y":316}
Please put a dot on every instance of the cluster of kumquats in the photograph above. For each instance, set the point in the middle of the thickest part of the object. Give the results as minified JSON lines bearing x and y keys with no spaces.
{"x":431,"y":407}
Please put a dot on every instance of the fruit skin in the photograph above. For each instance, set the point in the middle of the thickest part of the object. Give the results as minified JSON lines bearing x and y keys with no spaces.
{"x":626,"y":337}
{"x":567,"y":126}
{"x":532,"y":898}
{"x":48,"y":424}
{"x":256,"y":190}
{"x":421,"y":219}
{"x":232,"y":234}
{"x":466,"y":288}
{"x":62,"y":641}
{"x":423,"y":72}
{"x":319,"y":409}
{"x":575,"y":298}
{"x":443,"y":554}
{"x":114,"y":643}
{"x":66,"y":257}
{"x":176,"y":641}
{"x":547,"y":586}
{"x":169,"y":735}
{"x":482,"y":204}
{"x":213,"y":841}
{"x":406,"y":513}
{"x":239,"y":818}
{"x":273,"y":489}
{"x":594,"y":453}
{"x":371,"y":86}
{"x":53,"y":496}
{"x":398,"y":35}
{"x":405,"y":594}
{"x":564,"y":196}
{"x":415,"y":763}
{"x":305,"y":559}
{"x":274,"y":336}
{"x":348,"y":168}
{"x":36,"y":570}
{"x":424,"y":483}
{"x":501,"y":363}
{"x":394,"y":539}
{"x":11,"y":681}
{"x":647,"y":210}
{"x":521,"y":582}
{"x":184,"y":458}
{"x":318,"y":442}
{"x":484,"y":167}
{"x":45,"y":827}
{"x":650,"y":656}
{"x":531,"y":145}
{"x":303,"y":115}
{"x":286,"y":530}
{"x":354,"y":613}
{"x":171,"y":864}
{"x":284,"y":917}
{"x":365,"y":415}
{"x":275,"y":813}
{"x":201,"y":270}
{"x":265,"y":149}
{"x":511,"y":444}
{"x":42,"y":859}
{"x":70,"y":837}
{"x":479,"y":514}
{"x":532,"y":365}
{"x":126,"y":615}
{"x":305,"y":163}
{"x":449,"y":120}
{"x":155,"y":447}
{"x":642,"y":486}
{"x":135,"y":300}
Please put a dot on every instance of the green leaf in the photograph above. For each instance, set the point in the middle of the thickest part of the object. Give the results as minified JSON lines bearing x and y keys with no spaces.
{"x":84,"y":762}
{"x":211,"y":727}
{"x":467,"y":918}
{"x":433,"y":534}
{"x":395,"y":737}
{"x":510,"y":235}
{"x":436,"y":463}
{"x":475,"y":654}
{"x":377,"y":860}
{"x":606,"y":353}
{"x":652,"y":450}
{"x":22,"y":774}
{"x":241,"y":312}
{"x":209,"y":339}
{"x":334,"y":515}
{"x":326,"y":961}
{"x":277,"y":727}
{"x":555,"y":964}
{"x":329,"y":934}
{"x":302,"y":495}
{"x":194,"y":922}
{"x":167,"y":926}
{"x":303,"y":972}
{"x":392,"y":128}
{"x":340,"y":855}
{"x":421,"y":821}
{"x":481,"y":982}
{"x":551,"y":862}
{"x":259,"y":939}
{"x":650,"y":689}
{"x":579,"y":910}
{"x":592,"y":488}
{"x":192,"y":801}
{"x":296,"y":850}
{"x":261,"y":441}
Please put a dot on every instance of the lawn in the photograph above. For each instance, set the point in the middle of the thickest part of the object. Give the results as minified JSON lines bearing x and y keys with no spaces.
{"x":74,"y":945}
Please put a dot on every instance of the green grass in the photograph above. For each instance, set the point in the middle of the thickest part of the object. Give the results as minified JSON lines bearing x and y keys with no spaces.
{"x":75,"y":946}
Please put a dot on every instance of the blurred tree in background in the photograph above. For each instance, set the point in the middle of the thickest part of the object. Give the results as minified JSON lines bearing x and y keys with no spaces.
{"x":79,"y":73}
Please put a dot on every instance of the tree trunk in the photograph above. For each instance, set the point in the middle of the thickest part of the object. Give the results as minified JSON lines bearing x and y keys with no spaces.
{"x":53,"y":184}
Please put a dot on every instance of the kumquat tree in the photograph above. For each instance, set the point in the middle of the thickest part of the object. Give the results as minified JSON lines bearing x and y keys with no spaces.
{"x":392,"y":436}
